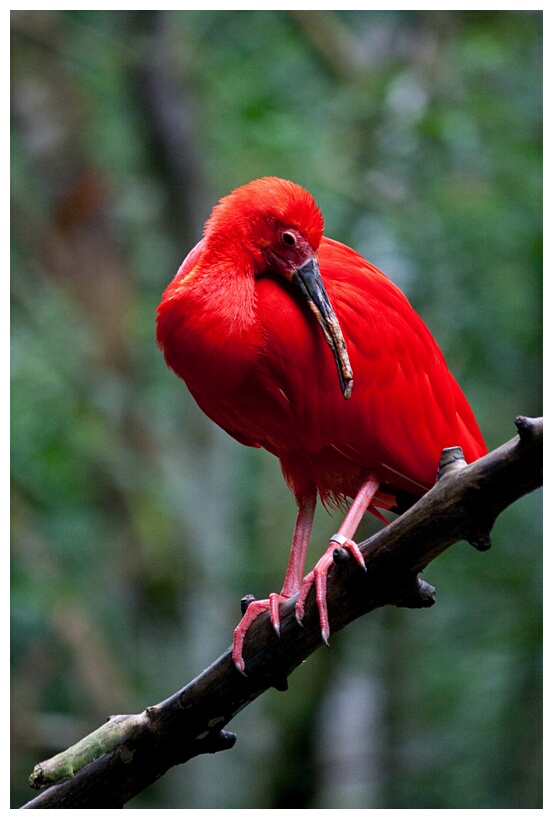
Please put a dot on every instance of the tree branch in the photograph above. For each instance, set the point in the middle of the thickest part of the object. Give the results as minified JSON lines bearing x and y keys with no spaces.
{"x":129,"y":752}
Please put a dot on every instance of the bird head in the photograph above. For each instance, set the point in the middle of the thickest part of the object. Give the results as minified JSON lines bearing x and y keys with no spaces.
{"x":275,"y":225}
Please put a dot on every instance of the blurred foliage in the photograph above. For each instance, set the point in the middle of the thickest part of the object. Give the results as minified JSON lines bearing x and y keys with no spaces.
{"x":137,"y":525}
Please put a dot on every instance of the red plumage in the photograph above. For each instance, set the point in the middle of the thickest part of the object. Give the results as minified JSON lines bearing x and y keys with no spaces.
{"x":264,"y":361}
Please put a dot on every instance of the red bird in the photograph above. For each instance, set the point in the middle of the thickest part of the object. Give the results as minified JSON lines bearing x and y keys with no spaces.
{"x":293,"y":342}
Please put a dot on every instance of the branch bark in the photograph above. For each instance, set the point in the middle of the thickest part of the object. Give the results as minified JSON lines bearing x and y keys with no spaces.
{"x":129,"y":752}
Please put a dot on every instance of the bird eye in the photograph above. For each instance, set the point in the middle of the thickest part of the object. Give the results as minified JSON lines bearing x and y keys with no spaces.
{"x":288,"y":239}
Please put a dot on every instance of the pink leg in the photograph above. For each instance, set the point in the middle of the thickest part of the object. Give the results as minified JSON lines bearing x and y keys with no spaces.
{"x":344,"y":539}
{"x":292,"y":581}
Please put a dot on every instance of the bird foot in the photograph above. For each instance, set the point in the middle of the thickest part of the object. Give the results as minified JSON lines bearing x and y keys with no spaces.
{"x":252,"y":611}
{"x":318,"y":578}
{"x":251,"y":608}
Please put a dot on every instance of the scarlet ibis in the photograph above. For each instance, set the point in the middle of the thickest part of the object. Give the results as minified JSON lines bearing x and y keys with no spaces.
{"x":294,"y":342}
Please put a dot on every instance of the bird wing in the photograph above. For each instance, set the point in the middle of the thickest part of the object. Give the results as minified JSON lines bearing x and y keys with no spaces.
{"x":405,"y":406}
{"x":409,"y":404}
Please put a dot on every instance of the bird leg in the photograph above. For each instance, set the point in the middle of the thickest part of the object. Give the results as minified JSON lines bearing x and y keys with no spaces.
{"x":292,"y":581}
{"x":344,"y":540}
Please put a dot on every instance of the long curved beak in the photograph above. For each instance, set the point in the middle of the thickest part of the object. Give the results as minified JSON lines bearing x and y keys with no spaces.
{"x":308,"y":279}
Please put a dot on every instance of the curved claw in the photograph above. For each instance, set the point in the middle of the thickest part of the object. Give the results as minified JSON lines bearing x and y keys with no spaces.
{"x":254,"y":609}
{"x":274,"y":602}
{"x":319,"y":577}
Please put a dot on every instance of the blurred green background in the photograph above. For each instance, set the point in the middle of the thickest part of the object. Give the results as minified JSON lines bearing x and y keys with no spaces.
{"x":137,"y":525}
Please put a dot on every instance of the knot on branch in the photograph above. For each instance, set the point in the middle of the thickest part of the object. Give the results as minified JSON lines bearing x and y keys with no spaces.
{"x":420,"y":596}
{"x":341,"y":556}
{"x":213,"y":742}
{"x":529,"y":429}
{"x":245,"y":602}
{"x":481,"y":540}
{"x":451,"y":460}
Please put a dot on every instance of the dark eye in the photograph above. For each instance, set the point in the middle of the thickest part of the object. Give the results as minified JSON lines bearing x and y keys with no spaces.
{"x":289,"y":239}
